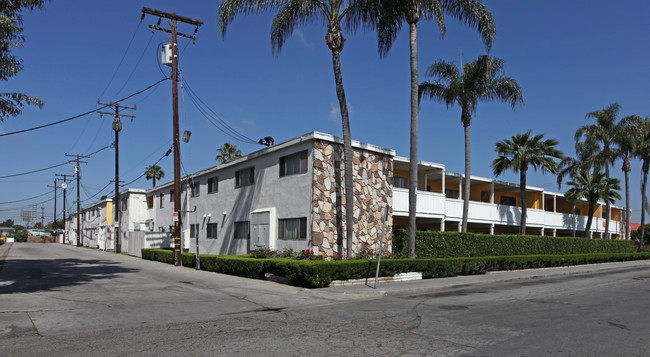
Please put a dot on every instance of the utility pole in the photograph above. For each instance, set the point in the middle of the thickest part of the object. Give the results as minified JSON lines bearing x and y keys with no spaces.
{"x":77,"y":170}
{"x":117,"y":127}
{"x":177,"y":151}
{"x":64,"y":186}
{"x":42,"y":217}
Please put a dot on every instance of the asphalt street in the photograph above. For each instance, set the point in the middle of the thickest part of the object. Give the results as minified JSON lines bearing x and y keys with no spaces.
{"x":60,"y":300}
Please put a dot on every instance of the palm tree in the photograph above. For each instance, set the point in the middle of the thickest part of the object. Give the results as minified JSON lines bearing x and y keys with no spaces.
{"x":641,"y":133}
{"x":520,"y":152}
{"x":334,"y":13}
{"x":392,"y":15}
{"x":593,"y":187}
{"x":227,"y":152}
{"x":154,"y":172}
{"x":602,"y":135}
{"x":627,"y":139}
{"x":483,"y":80}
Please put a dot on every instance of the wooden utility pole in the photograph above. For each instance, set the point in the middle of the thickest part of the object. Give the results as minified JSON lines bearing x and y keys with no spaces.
{"x":64,"y":186}
{"x":78,"y":172}
{"x":177,"y":150}
{"x":117,"y":127}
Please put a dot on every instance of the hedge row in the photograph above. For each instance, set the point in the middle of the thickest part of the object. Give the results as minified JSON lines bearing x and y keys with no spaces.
{"x":314,"y":274}
{"x":430,"y":244}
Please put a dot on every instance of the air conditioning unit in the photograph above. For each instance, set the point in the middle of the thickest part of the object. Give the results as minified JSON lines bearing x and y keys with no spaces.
{"x":167,"y":54}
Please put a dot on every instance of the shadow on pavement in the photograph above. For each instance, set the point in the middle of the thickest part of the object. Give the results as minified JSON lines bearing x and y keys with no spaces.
{"x":49,"y":274}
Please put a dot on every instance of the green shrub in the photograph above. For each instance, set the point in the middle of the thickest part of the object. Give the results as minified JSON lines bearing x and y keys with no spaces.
{"x":430,"y":244}
{"x":319,"y":273}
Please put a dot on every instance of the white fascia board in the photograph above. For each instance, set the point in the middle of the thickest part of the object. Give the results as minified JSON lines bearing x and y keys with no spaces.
{"x":420,"y":162}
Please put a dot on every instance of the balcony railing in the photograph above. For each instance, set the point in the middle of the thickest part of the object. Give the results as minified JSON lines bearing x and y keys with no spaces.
{"x":432,"y":204}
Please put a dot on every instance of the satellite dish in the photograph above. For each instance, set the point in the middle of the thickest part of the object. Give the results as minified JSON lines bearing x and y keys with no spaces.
{"x":64,"y":185}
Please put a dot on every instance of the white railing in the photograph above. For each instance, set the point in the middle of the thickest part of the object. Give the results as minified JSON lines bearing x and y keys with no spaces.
{"x":431,"y":204}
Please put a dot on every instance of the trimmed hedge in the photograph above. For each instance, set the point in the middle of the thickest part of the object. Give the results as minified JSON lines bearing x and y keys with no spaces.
{"x":318,"y":273}
{"x":431,"y":244}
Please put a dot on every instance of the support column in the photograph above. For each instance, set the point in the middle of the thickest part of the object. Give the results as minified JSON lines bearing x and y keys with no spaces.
{"x":554,"y":232}
{"x":460,"y":227}
{"x":442,"y":225}
{"x":492,"y":192}
{"x":542,"y":232}
{"x":492,"y":226}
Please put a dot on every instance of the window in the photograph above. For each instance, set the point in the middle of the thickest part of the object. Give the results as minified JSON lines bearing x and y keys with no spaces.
{"x":576,"y":211}
{"x":124,"y":203}
{"x":293,"y":164}
{"x":292,"y":228}
{"x":161,"y":229}
{"x":212,"y":230}
{"x":195,"y":188}
{"x":486,"y":195}
{"x":162,"y":200}
{"x":242,"y":230}
{"x":213,"y":184}
{"x":150,"y":201}
{"x":171,"y":195}
{"x":508,"y":201}
{"x":452,"y":193}
{"x":194,"y":230}
{"x":172,"y":230}
{"x":401,"y":182}
{"x":245,"y":177}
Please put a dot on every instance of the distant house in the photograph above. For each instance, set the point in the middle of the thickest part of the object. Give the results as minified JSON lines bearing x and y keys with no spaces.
{"x":290,"y":196}
{"x":7,"y":231}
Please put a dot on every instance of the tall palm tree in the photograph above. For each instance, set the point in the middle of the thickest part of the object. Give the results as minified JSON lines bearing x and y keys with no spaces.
{"x":602,"y":134}
{"x":520,"y":152}
{"x":227,"y":152}
{"x":627,"y":139}
{"x":641,"y":128}
{"x":482,"y":80}
{"x":593,"y":187}
{"x":392,"y":15}
{"x":154,"y":172}
{"x":336,"y":14}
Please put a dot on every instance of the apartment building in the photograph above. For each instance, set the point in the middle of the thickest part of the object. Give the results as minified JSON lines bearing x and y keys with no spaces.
{"x":291,"y":196}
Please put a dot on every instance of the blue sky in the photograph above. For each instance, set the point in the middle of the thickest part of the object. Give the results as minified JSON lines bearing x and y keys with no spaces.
{"x":569,"y":57}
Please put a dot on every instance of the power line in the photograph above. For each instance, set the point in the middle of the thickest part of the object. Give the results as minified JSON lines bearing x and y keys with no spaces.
{"x":26,"y":199}
{"x":123,"y":57}
{"x":136,"y":65}
{"x":54,"y":166}
{"x":34,"y":171}
{"x":83,"y":114}
{"x":206,"y":110}
{"x":156,"y":163}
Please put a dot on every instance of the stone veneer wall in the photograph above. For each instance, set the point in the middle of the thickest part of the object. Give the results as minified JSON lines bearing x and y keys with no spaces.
{"x":373,"y":190}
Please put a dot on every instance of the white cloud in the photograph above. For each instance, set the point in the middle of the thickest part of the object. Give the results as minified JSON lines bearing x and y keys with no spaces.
{"x":302,"y":39}
{"x":249,"y":123}
{"x":335,"y":111}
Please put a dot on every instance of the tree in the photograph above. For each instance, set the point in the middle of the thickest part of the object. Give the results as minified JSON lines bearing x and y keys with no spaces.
{"x":627,"y":139}
{"x":481,"y":80}
{"x":641,"y":133}
{"x":593,"y":187}
{"x":392,"y":15}
{"x":7,"y":223}
{"x":336,"y":14}
{"x":154,"y":172}
{"x":11,"y":36}
{"x":520,"y":152}
{"x":602,"y":136}
{"x":227,"y":152}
